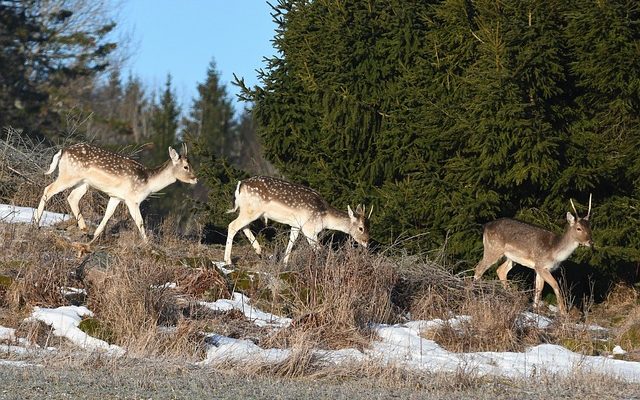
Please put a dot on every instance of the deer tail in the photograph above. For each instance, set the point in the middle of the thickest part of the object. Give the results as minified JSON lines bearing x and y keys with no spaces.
{"x":235,"y":201}
{"x":54,"y":163}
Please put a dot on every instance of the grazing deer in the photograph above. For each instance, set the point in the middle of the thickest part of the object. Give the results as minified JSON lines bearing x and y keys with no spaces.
{"x":123,"y":179}
{"x":533,"y":247}
{"x":301,"y":208}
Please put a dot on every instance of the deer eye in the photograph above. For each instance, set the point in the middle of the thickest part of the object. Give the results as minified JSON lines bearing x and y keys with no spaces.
{"x":579,"y":229}
{"x":186,"y":167}
{"x":361,"y":229}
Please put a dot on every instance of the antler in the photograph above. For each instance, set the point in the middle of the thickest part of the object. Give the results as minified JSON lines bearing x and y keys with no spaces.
{"x":370,"y":211}
{"x":574,"y":207}
{"x":184,"y":149}
{"x":589,"y":211}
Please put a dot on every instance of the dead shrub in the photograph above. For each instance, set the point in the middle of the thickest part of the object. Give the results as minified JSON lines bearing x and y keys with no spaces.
{"x":334,"y":296}
{"x":204,"y":283}
{"x":133,"y":301}
{"x":41,"y":276}
{"x":427,"y":290}
{"x":491,"y":324}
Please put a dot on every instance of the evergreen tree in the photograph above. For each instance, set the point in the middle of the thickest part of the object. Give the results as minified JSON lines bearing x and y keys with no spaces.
{"x":210,"y":120}
{"x":135,"y":109}
{"x":164,"y":123}
{"x":603,"y":38}
{"x":211,"y":132}
{"x":46,"y":46}
{"x":448,"y":114}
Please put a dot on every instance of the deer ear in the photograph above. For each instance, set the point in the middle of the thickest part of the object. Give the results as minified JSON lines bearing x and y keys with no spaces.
{"x":570,"y":218}
{"x":174,"y":155}
{"x":360,"y":209}
{"x":350,"y":212}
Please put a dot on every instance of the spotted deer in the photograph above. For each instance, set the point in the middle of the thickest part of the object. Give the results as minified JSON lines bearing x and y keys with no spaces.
{"x":533,"y":247}
{"x":301,"y":208}
{"x":81,"y":166}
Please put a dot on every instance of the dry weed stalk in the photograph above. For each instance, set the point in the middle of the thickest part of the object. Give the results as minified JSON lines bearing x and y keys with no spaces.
{"x":334,"y":296}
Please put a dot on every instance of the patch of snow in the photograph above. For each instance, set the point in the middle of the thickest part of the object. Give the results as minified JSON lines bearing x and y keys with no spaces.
{"x":24,"y":215}
{"x":529,"y":319}
{"x":225,"y":349}
{"x":19,"y":364}
{"x":11,"y":349}
{"x":65,"y":321}
{"x":70,"y":291}
{"x":243,"y":303}
{"x":221,"y":266}
{"x":402,"y":345}
{"x":422,"y":325}
{"x":618,"y":351}
{"x":8,"y":334}
{"x":168,"y":285}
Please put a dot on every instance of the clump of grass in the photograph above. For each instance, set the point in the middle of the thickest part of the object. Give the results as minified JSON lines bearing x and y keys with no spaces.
{"x":133,"y":302}
{"x":334,"y":296}
{"x":41,"y":275}
{"x":427,"y":290}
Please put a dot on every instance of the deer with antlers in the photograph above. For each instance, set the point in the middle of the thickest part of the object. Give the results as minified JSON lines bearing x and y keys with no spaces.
{"x":303,"y":209}
{"x":533,"y":247}
{"x":81,"y":166}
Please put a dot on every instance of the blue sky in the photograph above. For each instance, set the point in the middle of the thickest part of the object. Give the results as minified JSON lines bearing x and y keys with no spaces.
{"x":181,"y":37}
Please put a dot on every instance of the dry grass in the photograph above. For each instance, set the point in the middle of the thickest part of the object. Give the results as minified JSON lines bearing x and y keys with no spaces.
{"x":332,"y":296}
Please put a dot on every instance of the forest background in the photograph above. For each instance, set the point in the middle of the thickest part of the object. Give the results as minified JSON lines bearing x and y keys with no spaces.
{"x":443,"y":115}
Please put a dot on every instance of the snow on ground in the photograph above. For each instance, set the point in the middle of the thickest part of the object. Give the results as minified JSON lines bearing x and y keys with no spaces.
{"x":65,"y":320}
{"x":401,"y":344}
{"x":8,"y":334}
{"x":243,"y":303}
{"x":15,"y":214}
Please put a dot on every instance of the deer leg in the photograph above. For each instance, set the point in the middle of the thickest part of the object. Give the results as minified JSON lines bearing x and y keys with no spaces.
{"x":252,"y":239}
{"x":111,"y":207}
{"x":134,"y":210}
{"x":488,"y":259}
{"x":292,"y":238}
{"x":312,"y":239}
{"x":51,"y":190}
{"x":73,"y":199}
{"x":503,"y":270}
{"x":234,"y":227}
{"x":546,"y":276}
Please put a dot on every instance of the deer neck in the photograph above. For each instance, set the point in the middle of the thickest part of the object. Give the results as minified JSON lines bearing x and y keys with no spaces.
{"x":336,"y":220}
{"x":160,"y":177}
{"x":565,"y":246}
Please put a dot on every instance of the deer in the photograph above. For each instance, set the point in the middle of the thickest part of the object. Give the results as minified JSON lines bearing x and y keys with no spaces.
{"x":301,"y":208}
{"x":123,"y":179}
{"x":533,"y":247}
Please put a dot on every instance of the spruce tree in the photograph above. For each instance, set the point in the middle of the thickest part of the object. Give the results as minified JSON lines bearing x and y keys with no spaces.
{"x":449,"y":114}
{"x":46,"y":48}
{"x":211,"y":132}
{"x":164,"y":123}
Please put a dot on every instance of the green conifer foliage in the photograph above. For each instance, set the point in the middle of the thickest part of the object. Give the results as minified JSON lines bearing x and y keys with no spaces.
{"x":448,"y":114}
{"x":211,"y":131}
{"x":164,"y":123}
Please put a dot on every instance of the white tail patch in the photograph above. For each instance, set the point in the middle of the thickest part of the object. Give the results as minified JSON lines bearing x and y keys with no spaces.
{"x":54,"y":163}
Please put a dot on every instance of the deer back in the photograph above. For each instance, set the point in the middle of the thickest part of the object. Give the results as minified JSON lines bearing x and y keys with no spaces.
{"x":279,"y":195}
{"x":118,"y":175}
